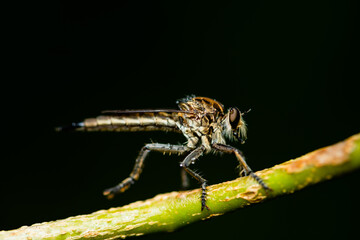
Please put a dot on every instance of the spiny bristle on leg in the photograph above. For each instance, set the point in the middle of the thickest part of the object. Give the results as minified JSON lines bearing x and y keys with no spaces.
{"x":203,"y":197}
{"x":259,"y":180}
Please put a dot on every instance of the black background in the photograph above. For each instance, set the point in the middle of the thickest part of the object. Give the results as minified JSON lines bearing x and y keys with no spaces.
{"x":295,"y":64}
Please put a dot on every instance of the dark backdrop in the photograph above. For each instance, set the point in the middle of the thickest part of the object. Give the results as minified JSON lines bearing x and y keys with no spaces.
{"x":295,"y":64}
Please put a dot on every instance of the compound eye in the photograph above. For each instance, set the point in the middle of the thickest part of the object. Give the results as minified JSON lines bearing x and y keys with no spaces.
{"x":234,"y":117}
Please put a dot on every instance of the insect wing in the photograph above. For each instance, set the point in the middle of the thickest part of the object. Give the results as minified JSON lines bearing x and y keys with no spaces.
{"x":142,"y":111}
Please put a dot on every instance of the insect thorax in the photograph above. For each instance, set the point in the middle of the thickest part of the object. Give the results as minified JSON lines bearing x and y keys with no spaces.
{"x":205,"y":125}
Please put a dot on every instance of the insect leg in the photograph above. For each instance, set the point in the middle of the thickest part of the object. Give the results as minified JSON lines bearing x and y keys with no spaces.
{"x":240,"y":157}
{"x":189,"y":159}
{"x":184,"y":179}
{"x":139,"y":165}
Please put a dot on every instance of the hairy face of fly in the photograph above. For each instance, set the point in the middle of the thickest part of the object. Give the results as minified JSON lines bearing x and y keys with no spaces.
{"x":235,"y":125}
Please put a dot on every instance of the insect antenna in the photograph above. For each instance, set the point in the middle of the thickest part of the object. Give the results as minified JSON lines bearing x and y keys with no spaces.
{"x":246,"y":112}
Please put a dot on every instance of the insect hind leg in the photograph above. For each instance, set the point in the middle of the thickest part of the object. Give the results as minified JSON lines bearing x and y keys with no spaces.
{"x":185,"y":181}
{"x":139,"y":165}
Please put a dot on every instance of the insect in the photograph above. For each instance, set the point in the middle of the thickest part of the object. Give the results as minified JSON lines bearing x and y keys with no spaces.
{"x":202,"y":121}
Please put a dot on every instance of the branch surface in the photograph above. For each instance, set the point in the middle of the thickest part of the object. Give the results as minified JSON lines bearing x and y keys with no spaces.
{"x":170,"y":211}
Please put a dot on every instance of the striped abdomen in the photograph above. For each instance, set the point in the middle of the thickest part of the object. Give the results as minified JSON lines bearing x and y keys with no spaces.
{"x":148,"y":121}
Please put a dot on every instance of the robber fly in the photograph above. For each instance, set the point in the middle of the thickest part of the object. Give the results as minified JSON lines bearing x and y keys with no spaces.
{"x":201,"y":120}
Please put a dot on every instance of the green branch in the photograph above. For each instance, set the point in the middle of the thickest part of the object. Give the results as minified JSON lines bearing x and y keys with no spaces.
{"x":170,"y":211}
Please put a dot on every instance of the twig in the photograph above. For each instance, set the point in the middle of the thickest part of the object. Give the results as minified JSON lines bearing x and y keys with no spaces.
{"x":170,"y":211}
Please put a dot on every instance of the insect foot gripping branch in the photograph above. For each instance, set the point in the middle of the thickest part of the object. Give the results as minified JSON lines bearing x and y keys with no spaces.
{"x":203,"y":121}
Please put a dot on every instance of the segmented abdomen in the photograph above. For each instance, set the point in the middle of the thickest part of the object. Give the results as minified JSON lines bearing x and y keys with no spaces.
{"x":131,"y":122}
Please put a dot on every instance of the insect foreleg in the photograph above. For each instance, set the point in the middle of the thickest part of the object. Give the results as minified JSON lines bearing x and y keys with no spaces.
{"x":191,"y":158}
{"x":139,"y":165}
{"x":240,"y":157}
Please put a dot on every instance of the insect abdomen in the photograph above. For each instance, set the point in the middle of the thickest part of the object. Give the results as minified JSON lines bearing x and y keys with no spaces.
{"x":132,"y":122}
